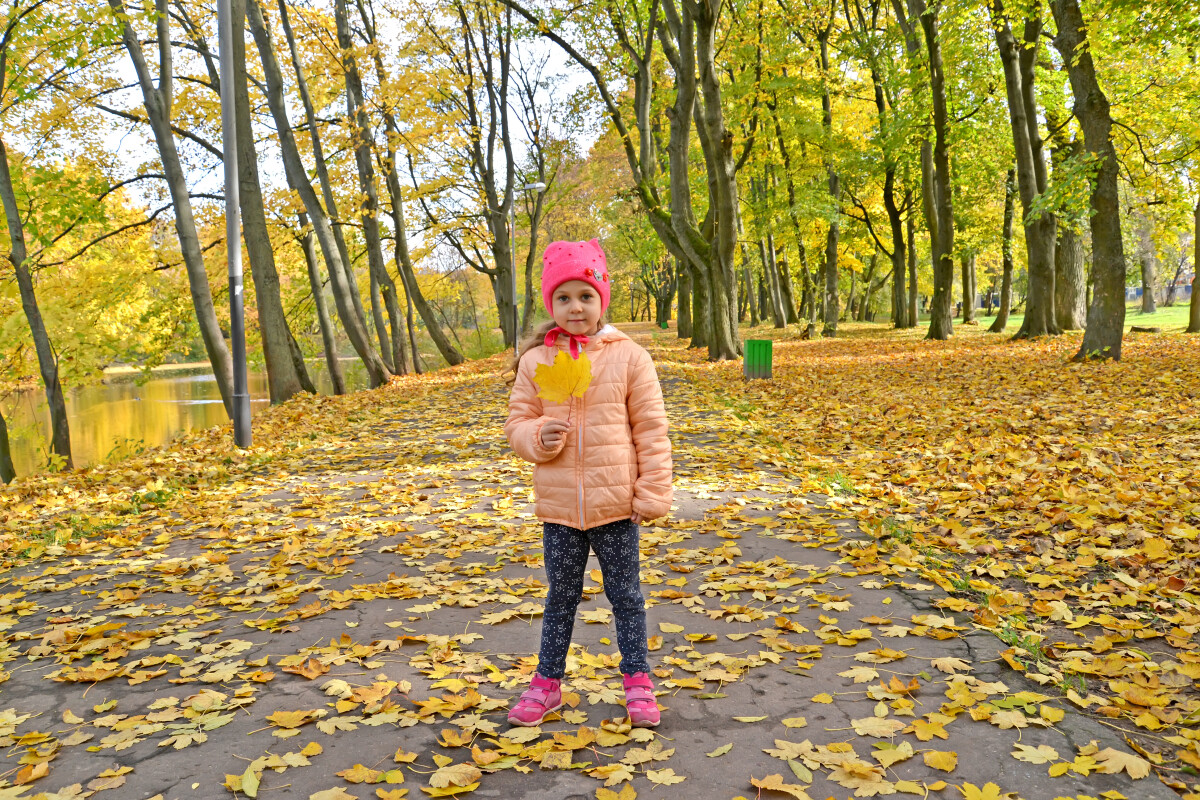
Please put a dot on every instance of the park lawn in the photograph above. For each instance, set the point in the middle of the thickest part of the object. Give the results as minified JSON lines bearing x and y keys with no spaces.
{"x":1172,"y":319}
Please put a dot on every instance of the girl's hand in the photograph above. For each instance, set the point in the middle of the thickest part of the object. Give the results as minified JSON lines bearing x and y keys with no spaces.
{"x":636,"y":519}
{"x":553,"y":430}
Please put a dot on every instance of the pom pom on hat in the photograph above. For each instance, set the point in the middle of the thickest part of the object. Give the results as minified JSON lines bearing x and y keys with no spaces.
{"x":575,"y":261}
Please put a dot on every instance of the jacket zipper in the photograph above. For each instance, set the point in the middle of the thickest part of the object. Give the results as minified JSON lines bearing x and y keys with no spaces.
{"x":579,"y":456}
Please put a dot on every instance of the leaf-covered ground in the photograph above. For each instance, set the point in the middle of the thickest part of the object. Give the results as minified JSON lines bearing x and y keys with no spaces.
{"x":895,"y":557}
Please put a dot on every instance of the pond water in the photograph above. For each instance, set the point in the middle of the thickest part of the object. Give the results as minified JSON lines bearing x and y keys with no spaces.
{"x":126,"y":412}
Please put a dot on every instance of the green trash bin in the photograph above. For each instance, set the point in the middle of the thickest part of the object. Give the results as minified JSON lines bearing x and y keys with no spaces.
{"x":663,"y":324}
{"x":757,"y":358}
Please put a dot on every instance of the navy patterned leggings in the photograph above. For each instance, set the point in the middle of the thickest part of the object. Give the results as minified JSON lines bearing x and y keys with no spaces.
{"x":566,"y":554}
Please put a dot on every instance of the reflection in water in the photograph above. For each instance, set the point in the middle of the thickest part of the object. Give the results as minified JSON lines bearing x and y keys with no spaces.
{"x":119,"y":416}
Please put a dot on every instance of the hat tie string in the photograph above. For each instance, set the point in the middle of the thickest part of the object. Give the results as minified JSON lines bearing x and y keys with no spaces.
{"x":575,"y":343}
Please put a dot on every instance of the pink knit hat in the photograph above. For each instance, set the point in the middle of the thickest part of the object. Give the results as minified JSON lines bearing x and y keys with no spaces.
{"x":575,"y":261}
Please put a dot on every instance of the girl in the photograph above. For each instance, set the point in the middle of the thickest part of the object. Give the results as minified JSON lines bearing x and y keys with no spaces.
{"x":602,"y":465}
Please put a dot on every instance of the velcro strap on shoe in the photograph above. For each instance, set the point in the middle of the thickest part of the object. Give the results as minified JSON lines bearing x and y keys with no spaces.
{"x":639,"y":694}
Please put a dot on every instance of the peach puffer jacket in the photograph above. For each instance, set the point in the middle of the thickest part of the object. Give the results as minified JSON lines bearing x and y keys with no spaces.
{"x":616,"y":458}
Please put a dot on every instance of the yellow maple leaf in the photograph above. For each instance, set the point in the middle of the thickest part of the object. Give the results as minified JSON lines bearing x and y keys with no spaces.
{"x":664,"y":777}
{"x":626,"y":793}
{"x":894,"y":755}
{"x":989,"y":791}
{"x":862,"y":777}
{"x":360,"y":774}
{"x":927,"y":730}
{"x":458,"y":775}
{"x":449,"y":791}
{"x":1111,"y":761}
{"x":774,"y":783}
{"x":336,"y":793}
{"x":1052,"y":714}
{"x":945,"y":760}
{"x":566,"y":377}
{"x":292,"y":719}
{"x":1042,"y":754}
{"x":879,"y":728}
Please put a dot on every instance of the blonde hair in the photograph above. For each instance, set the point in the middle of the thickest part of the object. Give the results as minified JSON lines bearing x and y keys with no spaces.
{"x":532,"y":339}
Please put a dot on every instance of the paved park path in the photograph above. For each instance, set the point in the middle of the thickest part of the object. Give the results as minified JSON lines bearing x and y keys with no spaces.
{"x":353,"y":618}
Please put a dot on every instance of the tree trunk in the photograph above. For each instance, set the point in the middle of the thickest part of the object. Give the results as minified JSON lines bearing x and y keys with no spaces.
{"x":701,"y":310}
{"x":286,"y":373}
{"x":1041,"y":232}
{"x":722,"y":171}
{"x":750,"y":286}
{"x":783,"y":275}
{"x":1070,"y":284}
{"x":418,"y":363}
{"x":356,"y":117}
{"x":786,"y":283}
{"x":1106,"y":314}
{"x":1194,"y":304}
{"x":914,"y":317}
{"x":486,"y":66}
{"x":763,"y":294}
{"x":967,"y":262}
{"x":1006,"y":242}
{"x":802,"y":308}
{"x":1148,"y":259}
{"x":527,"y":311}
{"x":1018,"y":61}
{"x":831,"y":239}
{"x":343,"y":263}
{"x":7,"y":472}
{"x":912,"y":49}
{"x":408,"y":275}
{"x":344,"y":294}
{"x":899,"y":306}
{"x":401,"y":255}
{"x":328,"y":339}
{"x":694,"y":244}
{"x":896,"y":223}
{"x":664,"y":300}
{"x":772,"y":277}
{"x":1149,"y":278}
{"x":1070,"y":280}
{"x":941,"y":312}
{"x":684,"y":276}
{"x":158,"y":111}
{"x":60,"y":432}
{"x":1169,"y":292}
{"x":861,"y":312}
{"x":744,"y":291}
{"x":850,"y":297}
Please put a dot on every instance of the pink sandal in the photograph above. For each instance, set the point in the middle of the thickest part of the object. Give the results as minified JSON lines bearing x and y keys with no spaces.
{"x":543,"y":696}
{"x":640,"y":703}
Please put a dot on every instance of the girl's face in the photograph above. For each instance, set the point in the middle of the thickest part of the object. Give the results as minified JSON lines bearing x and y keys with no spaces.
{"x":576,"y":307}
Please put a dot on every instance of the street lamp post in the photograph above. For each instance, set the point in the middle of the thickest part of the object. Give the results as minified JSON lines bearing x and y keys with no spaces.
{"x":233,"y":228}
{"x":512,"y":247}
